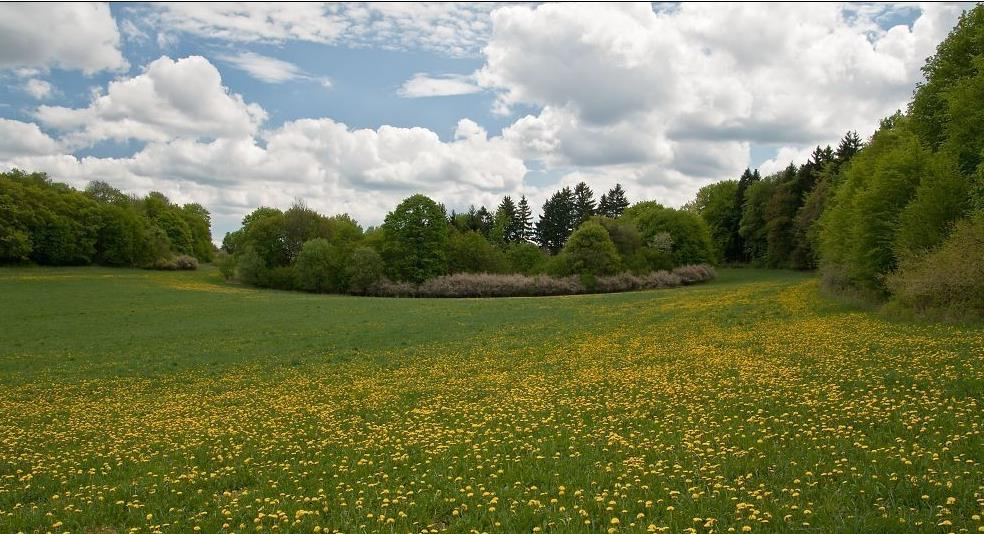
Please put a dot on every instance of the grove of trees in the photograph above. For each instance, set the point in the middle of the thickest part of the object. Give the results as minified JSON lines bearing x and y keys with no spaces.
{"x":900,"y":217}
{"x":418,"y":241}
{"x":49,"y":223}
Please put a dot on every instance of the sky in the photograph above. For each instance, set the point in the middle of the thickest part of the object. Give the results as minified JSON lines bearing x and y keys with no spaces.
{"x":351,"y":107}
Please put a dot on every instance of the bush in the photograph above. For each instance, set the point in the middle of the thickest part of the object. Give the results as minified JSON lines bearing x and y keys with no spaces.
{"x":525,"y":258}
{"x":364,"y":270}
{"x":470,"y":252}
{"x":283,"y":277}
{"x":250,"y":267}
{"x":590,"y":251}
{"x":515,"y":285}
{"x":948,"y":280}
{"x":690,"y":236}
{"x":320,"y":267}
{"x":226,"y":263}
{"x":178,"y":263}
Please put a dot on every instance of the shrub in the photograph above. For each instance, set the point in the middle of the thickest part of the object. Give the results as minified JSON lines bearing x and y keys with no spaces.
{"x":950,"y":278}
{"x":320,"y":267}
{"x":282,"y":277}
{"x":515,"y":285}
{"x":590,"y":250}
{"x":691,"y":274}
{"x":525,"y":258}
{"x":470,"y":252}
{"x":178,"y":263}
{"x":250,"y":267}
{"x":690,"y":236}
{"x":364,"y":270}
{"x":226,"y":263}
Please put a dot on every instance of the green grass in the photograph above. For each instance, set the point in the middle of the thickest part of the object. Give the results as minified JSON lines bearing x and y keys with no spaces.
{"x":168,"y":401}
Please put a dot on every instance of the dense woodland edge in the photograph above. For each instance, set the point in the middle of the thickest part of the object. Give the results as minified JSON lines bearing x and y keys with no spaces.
{"x":897,"y":218}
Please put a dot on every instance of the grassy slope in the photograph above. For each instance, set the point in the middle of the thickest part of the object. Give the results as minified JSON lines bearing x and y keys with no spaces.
{"x":165,"y":400}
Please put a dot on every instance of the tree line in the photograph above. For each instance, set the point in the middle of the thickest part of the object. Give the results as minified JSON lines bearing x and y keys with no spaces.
{"x":419,"y":241}
{"x":900,"y":217}
{"x":49,"y":223}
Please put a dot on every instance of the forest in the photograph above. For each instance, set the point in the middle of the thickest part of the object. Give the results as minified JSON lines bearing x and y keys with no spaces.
{"x":895,"y":218}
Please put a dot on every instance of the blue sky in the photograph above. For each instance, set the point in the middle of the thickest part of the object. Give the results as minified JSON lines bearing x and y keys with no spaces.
{"x":350,"y":107}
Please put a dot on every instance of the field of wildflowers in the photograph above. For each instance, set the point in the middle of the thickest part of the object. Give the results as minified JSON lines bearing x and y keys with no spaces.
{"x":138,"y":401}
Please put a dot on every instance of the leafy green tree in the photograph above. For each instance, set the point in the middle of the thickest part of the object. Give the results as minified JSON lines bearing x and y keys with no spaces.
{"x":691,"y":237}
{"x":525,"y":257}
{"x":753,"y":227}
{"x":590,"y":250}
{"x":416,"y":234}
{"x":623,"y":233}
{"x":715,"y":203}
{"x":251,"y":268}
{"x":469,"y":252}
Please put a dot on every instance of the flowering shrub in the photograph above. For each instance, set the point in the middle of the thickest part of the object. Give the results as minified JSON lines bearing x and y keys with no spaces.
{"x":516,"y":285}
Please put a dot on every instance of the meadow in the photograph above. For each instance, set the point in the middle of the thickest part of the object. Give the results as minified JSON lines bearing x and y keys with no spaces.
{"x":139,"y":401}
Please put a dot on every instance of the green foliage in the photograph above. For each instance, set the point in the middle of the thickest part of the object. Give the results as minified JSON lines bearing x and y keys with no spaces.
{"x":948,"y":280}
{"x":584,"y":203}
{"x":716,"y":204}
{"x":52,"y":224}
{"x":753,"y":226}
{"x":691,"y":237}
{"x":613,"y":203}
{"x":623,"y":233}
{"x":591,"y":251}
{"x":941,"y":198}
{"x":525,"y":258}
{"x":364,"y":269}
{"x":859,"y":228}
{"x":469,"y":252}
{"x":524,"y":216}
{"x":416,"y":236}
{"x":226,"y":263}
{"x":251,"y":268}
{"x":558,"y":220}
{"x":320,"y":267}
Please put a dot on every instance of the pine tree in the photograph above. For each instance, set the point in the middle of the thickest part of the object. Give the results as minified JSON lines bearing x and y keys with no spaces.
{"x":584,"y":203}
{"x":848,"y":147}
{"x":613,"y":203}
{"x":557,"y":221}
{"x":507,"y":214}
{"x":483,"y":221}
{"x":739,"y":253}
{"x":525,"y":220}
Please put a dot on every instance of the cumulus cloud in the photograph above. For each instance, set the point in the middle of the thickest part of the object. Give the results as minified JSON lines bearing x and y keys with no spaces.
{"x":456,"y":29}
{"x":39,"y":89}
{"x":425,"y":85}
{"x":75,"y":36}
{"x":183,"y":98}
{"x":24,"y":138}
{"x":683,"y":91}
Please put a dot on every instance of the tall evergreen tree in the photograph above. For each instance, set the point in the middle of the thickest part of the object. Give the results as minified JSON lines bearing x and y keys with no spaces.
{"x":506,"y":224}
{"x":557,"y":221}
{"x":525,"y":217}
{"x":848,"y":147}
{"x":584,"y":203}
{"x":613,"y":203}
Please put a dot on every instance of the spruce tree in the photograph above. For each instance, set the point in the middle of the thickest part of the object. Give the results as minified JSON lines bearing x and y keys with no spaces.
{"x":584,"y":203}
{"x":525,"y":220}
{"x":557,"y":221}
{"x":613,"y":203}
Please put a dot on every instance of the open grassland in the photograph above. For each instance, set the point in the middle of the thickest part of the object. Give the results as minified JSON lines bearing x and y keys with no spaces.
{"x":173,"y":402}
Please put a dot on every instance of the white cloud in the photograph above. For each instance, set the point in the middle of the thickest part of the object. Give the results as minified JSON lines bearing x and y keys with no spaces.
{"x":80,"y":36}
{"x":677,"y":95}
{"x":265,"y":68}
{"x":24,"y":139}
{"x":456,"y":29}
{"x":425,"y":85}
{"x":270,"y":70}
{"x":39,"y":89}
{"x":183,"y":98}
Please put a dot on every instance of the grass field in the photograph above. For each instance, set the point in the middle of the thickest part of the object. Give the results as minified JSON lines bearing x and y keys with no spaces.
{"x":146,"y":401}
